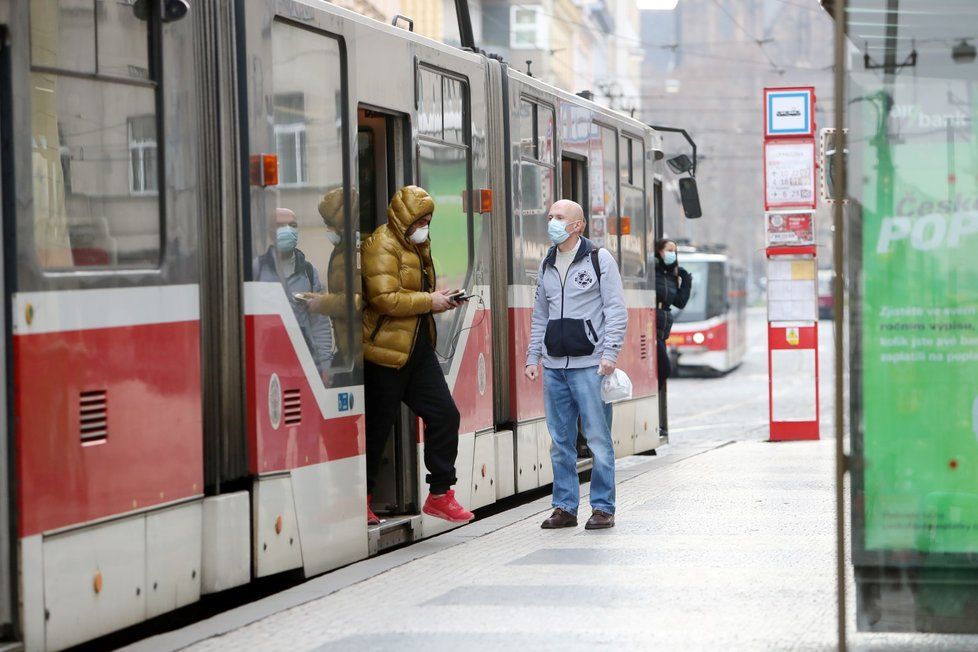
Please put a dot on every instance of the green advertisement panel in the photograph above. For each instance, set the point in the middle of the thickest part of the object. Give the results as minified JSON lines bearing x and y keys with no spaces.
{"x":915,"y":176}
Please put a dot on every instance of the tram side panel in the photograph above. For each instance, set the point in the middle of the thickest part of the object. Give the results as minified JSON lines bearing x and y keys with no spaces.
{"x":304,"y":376}
{"x":106,"y":331}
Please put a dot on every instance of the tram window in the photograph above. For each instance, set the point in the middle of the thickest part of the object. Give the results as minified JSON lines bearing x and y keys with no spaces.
{"x":122,"y":43}
{"x":626,"y":160}
{"x":290,"y":137}
{"x":537,"y":181}
{"x":634,"y":210}
{"x":603,"y":173}
{"x":545,"y":135}
{"x":453,"y":112}
{"x":89,"y":37}
{"x":536,"y":196}
{"x":63,"y":34}
{"x":306,"y":127}
{"x":430,"y":116}
{"x":95,"y":159}
{"x":444,"y":154}
{"x":708,"y":297}
{"x":536,"y":132}
{"x":527,"y":119}
{"x":143,"y":176}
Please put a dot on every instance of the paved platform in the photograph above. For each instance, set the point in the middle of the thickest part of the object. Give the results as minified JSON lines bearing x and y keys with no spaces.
{"x":718,"y":546}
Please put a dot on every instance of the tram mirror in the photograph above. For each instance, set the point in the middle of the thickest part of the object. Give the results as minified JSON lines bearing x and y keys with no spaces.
{"x":680,"y":164}
{"x":171,"y":10}
{"x":690,"y":197}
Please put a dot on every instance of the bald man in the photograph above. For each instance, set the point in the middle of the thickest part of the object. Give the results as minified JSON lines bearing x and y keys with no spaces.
{"x":579,"y":321}
{"x":285,"y":263}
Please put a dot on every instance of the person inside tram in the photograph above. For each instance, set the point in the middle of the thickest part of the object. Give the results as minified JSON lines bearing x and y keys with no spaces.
{"x":332,"y":301}
{"x":399,"y":339}
{"x":672,"y":287}
{"x":285,"y":263}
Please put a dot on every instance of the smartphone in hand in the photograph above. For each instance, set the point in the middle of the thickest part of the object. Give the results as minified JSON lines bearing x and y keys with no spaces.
{"x":460,"y":296}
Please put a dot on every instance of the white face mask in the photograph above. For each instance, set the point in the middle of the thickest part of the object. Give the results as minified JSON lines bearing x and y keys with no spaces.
{"x":419,"y":235}
{"x":333,"y":237}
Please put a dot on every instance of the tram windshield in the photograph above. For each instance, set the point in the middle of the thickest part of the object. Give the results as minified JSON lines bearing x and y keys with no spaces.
{"x":707,"y":299}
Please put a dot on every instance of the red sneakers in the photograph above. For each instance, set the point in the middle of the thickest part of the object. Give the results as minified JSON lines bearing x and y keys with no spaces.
{"x":445,"y":506}
{"x":371,"y":517}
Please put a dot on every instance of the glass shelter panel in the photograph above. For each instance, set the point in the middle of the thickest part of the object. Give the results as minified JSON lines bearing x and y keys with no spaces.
{"x":912,"y":279}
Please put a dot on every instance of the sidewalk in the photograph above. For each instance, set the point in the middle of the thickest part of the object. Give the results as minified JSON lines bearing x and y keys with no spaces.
{"x":715,"y":548}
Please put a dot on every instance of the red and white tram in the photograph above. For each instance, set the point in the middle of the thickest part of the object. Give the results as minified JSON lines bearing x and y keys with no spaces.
{"x":171,"y":426}
{"x":709,"y":334}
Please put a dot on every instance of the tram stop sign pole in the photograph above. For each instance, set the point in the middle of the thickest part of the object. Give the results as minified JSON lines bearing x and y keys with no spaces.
{"x":792,"y":266}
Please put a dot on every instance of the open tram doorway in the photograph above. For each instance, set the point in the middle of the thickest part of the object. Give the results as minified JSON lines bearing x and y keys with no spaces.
{"x":573,"y":180}
{"x":384,"y":166}
{"x":573,"y":186}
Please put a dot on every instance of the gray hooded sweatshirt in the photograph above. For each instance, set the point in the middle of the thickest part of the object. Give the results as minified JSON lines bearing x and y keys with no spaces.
{"x":580,"y":319}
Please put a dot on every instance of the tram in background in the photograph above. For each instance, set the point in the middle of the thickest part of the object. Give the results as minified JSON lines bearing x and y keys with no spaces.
{"x":179,"y":425}
{"x":710,"y":333}
{"x":826,"y":302}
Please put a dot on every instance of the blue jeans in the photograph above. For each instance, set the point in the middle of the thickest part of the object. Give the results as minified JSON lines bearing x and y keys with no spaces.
{"x":567,"y":394}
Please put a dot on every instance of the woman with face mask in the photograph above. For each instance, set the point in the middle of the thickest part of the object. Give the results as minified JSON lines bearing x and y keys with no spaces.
{"x":672,"y":287}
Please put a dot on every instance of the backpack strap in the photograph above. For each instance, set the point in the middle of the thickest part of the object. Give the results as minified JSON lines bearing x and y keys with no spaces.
{"x":309,"y":270}
{"x":596,"y":264}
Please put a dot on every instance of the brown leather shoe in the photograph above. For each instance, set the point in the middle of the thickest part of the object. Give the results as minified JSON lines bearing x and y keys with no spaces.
{"x":600,"y":520}
{"x":559,"y":518}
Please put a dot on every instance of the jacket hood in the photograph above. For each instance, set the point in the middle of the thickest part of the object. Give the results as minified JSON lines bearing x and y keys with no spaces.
{"x":408,"y":205}
{"x":584,"y":250}
{"x":332,"y":209}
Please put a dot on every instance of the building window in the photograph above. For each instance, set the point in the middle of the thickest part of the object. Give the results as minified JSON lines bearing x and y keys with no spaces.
{"x":143,"y":175}
{"x":529,"y":28}
{"x":290,"y":138}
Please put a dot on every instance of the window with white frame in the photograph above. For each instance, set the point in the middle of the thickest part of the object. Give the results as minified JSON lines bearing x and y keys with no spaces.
{"x":529,"y":27}
{"x":290,"y":138}
{"x":143,"y":173}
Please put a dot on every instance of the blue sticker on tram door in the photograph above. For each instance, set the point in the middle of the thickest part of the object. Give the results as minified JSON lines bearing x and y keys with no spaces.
{"x":345,"y":401}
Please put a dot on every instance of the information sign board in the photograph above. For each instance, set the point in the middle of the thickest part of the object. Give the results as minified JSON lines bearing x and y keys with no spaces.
{"x":794,"y":228}
{"x":789,"y":112}
{"x":789,"y":174}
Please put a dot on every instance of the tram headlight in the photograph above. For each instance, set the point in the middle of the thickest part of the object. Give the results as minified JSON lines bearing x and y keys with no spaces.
{"x":699,"y":338}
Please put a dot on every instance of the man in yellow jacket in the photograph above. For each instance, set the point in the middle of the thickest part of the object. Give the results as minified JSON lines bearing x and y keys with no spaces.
{"x":398,"y":348}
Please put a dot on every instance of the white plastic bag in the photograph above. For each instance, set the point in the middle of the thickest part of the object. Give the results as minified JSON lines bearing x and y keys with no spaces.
{"x":616,"y":387}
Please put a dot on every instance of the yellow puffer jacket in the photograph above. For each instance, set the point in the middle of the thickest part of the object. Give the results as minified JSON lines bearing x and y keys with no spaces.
{"x":333,"y":302}
{"x":397,"y":298}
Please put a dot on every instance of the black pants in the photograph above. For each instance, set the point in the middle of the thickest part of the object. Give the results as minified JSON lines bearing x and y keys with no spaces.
{"x":421,"y":385}
{"x":664,"y":367}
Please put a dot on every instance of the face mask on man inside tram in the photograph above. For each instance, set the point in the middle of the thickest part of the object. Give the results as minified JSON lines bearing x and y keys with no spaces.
{"x":286,"y":238}
{"x":669,"y":257}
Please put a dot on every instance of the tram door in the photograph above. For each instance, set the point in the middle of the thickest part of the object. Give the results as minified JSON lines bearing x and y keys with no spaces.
{"x":573,"y":175}
{"x":383,"y":156}
{"x":573,"y":186}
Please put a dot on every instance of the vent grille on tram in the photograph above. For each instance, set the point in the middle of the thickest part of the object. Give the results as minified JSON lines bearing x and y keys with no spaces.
{"x":292,"y":407}
{"x":93,"y":412}
{"x":643,"y":346}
